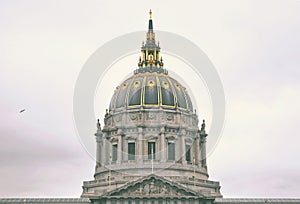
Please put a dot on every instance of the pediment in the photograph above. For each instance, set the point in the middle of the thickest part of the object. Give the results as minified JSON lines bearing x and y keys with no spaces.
{"x":152,"y":186}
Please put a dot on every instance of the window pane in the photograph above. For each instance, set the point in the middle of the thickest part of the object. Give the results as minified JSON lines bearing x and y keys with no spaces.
{"x":131,"y":151}
{"x":171,"y":151}
{"x":151,"y":150}
{"x":114,"y":152}
{"x":188,"y":153}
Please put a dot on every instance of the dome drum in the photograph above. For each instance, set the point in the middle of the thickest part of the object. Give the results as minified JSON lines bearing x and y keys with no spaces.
{"x":151,"y":117}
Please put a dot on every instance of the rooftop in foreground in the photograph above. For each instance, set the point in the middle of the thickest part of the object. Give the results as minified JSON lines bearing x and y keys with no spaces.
{"x":86,"y":200}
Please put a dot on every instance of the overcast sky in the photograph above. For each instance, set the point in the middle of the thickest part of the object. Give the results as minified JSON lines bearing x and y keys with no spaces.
{"x":254,"y":46}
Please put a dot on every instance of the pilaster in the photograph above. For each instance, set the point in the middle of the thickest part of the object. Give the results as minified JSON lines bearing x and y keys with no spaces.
{"x":163,"y":145}
{"x":140,"y":145}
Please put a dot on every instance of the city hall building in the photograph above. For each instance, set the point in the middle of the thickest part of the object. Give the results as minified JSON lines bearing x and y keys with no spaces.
{"x":152,"y":147}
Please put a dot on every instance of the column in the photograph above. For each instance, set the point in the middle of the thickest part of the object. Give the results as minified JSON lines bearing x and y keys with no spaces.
{"x":119,"y":159}
{"x":203,"y":149}
{"x":104,"y":154}
{"x":99,"y":148}
{"x":163,"y":145}
{"x":125,"y":149}
{"x":108,"y":152}
{"x":140,"y":145}
{"x":198,"y":156}
{"x":192,"y":151}
{"x":177,"y":149}
{"x":183,"y":150}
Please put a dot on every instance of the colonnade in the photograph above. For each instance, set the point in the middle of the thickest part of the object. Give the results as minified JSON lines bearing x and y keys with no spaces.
{"x":184,"y":145}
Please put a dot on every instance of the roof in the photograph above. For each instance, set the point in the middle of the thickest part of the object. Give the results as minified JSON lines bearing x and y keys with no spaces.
{"x":257,"y":200}
{"x":217,"y":200}
{"x":44,"y":200}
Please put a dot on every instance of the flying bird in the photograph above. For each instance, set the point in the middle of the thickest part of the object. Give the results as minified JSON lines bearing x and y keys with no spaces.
{"x":21,"y":111}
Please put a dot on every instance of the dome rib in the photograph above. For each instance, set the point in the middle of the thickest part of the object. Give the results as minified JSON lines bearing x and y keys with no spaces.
{"x":159,"y":91}
{"x":128,"y":90}
{"x":173,"y":91}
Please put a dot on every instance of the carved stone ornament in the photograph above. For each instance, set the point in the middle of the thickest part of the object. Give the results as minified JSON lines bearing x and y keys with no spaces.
{"x":117,"y":118}
{"x":162,"y":116}
{"x":171,"y":138}
{"x":130,"y":137}
{"x":170,"y":117}
{"x":133,"y":116}
{"x":109,"y":121}
{"x":113,"y":139}
{"x":152,"y":187}
{"x":151,"y":116}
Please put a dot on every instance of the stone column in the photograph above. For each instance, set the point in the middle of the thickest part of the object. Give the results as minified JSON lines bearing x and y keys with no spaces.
{"x":108,"y":148}
{"x":99,"y":148}
{"x":125,"y":149}
{"x":163,"y":145}
{"x":119,"y":159}
{"x":192,"y":151}
{"x":203,"y":136}
{"x":177,"y":149}
{"x":183,"y":150}
{"x":104,"y":152}
{"x":140,"y":145}
{"x":198,"y":156}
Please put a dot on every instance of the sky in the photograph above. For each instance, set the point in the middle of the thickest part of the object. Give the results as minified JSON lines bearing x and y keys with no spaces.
{"x":254,"y":46}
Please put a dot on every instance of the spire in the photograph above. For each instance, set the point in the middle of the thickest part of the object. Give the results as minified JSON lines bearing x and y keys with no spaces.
{"x":150,"y":26}
{"x":150,"y":54}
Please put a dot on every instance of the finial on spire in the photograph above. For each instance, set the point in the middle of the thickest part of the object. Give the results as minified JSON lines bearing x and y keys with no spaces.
{"x":150,"y":26}
{"x":150,"y":14}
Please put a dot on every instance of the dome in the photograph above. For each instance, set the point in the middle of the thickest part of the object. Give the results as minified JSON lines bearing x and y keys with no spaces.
{"x":150,"y":90}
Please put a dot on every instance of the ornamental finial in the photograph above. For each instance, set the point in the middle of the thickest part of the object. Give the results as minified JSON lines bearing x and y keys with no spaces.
{"x":203,"y":126}
{"x":150,"y":14}
{"x":98,"y":125}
